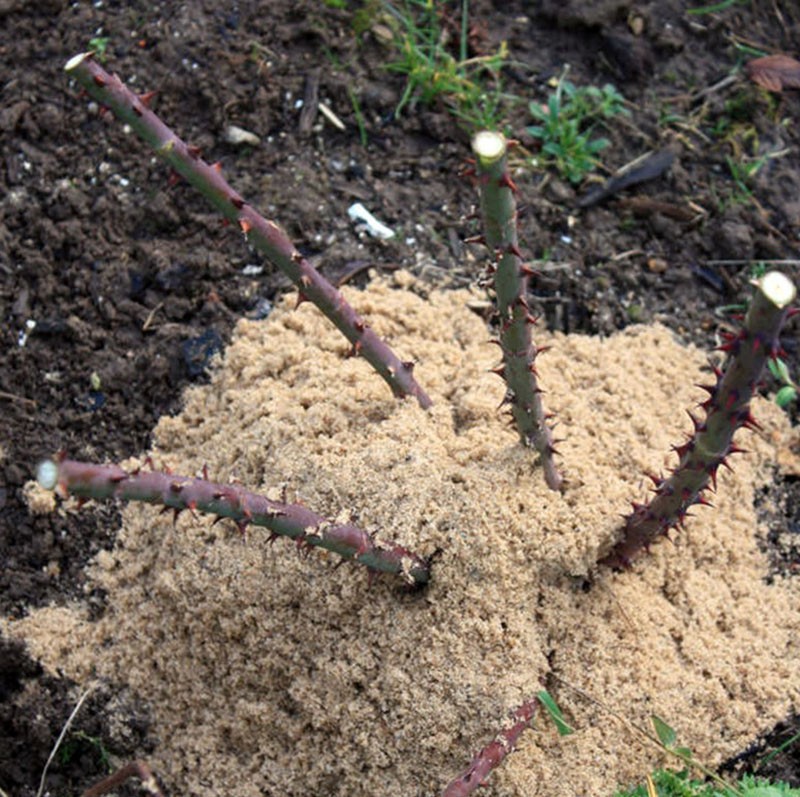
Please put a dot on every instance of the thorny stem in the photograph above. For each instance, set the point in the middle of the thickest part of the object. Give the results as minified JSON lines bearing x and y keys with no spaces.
{"x":727,"y":409}
{"x":518,"y":369}
{"x":491,"y":756}
{"x":88,"y":480}
{"x":264,"y":235}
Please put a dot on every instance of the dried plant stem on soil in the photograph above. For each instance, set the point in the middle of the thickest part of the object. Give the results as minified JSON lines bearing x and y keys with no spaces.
{"x":87,"y":480}
{"x":135,"y":769}
{"x":727,"y":409}
{"x":264,"y":235}
{"x":518,"y":369}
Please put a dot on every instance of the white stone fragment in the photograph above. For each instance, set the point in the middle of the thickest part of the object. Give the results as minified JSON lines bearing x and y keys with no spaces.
{"x":240,"y":137}
{"x":375,"y":228}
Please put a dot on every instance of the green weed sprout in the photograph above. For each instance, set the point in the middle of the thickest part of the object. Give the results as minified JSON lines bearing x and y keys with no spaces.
{"x":668,"y":783}
{"x":789,"y":390}
{"x":469,"y":87}
{"x":743,"y":173}
{"x":566,"y":124}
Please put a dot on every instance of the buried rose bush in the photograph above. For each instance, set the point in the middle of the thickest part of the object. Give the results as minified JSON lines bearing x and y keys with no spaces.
{"x":500,"y":657}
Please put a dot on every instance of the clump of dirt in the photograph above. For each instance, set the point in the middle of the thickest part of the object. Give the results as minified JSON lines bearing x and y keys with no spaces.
{"x":270,"y":673}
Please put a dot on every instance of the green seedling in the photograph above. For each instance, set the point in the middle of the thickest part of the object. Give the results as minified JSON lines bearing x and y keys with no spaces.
{"x":789,"y":389}
{"x":99,"y":45}
{"x":566,"y":123}
{"x":666,"y":783}
{"x":78,"y":743}
{"x":743,"y":173}
{"x":469,"y":87}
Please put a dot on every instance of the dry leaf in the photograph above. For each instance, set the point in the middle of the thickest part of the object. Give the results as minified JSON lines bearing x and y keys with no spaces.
{"x":775,"y":72}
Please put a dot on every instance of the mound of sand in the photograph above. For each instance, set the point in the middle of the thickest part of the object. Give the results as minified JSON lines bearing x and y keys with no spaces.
{"x":269,"y":673}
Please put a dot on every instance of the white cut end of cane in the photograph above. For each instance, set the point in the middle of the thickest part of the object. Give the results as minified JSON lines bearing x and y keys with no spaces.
{"x":47,"y":474}
{"x":489,"y":146}
{"x":76,"y":61}
{"x":778,"y":288}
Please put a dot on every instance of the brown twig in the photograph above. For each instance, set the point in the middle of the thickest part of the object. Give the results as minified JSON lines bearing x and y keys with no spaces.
{"x":136,"y":769}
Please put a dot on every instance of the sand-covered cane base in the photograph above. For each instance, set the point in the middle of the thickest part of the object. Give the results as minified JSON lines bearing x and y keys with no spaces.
{"x":269,"y":673}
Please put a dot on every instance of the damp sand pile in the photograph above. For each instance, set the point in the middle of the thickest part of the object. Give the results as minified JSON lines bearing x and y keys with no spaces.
{"x":270,"y":673}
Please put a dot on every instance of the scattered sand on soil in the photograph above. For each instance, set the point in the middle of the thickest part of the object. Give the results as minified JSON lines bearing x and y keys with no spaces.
{"x":273,"y":674}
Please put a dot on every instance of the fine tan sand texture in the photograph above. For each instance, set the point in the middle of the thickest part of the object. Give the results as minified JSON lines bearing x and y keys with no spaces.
{"x":271,"y":673}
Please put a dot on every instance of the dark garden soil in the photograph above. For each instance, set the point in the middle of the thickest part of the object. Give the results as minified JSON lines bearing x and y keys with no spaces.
{"x":117,"y":285}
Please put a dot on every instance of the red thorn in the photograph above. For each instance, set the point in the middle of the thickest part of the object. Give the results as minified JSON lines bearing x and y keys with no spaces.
{"x":193,"y":151}
{"x":749,"y":422}
{"x":217,"y":167}
{"x":99,"y":81}
{"x":301,"y":297}
{"x":236,"y":201}
{"x":245,"y":226}
{"x":147,"y":97}
{"x":657,"y":480}
{"x":696,"y":422}
{"x":507,"y":182}
{"x":684,"y":448}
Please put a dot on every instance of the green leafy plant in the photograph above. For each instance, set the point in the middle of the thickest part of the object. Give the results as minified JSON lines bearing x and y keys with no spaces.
{"x":469,"y":87}
{"x":78,"y":742}
{"x":669,"y":783}
{"x":566,"y":124}
{"x":666,"y":783}
{"x":789,"y":389}
{"x":99,"y":45}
